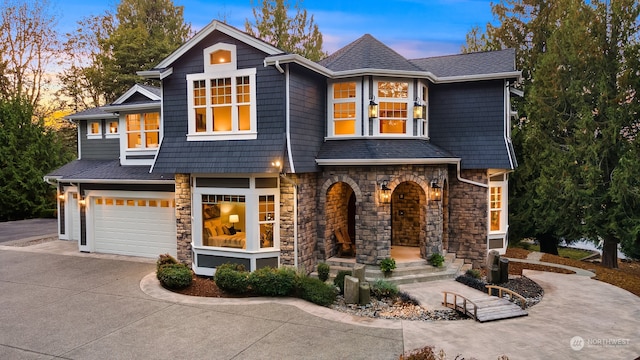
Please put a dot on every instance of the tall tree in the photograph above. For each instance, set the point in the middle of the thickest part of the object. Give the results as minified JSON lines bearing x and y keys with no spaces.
{"x":28,"y":45}
{"x":28,"y":151}
{"x":298,"y":34}
{"x":577,"y":140}
{"x":137,"y":37}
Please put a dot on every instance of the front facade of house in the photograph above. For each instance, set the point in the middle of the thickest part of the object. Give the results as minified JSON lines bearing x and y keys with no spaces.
{"x":250,"y":155}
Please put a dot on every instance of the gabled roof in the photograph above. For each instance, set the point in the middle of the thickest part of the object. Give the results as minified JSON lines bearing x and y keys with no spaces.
{"x":106,"y":171}
{"x":138,"y":97}
{"x":489,"y":62}
{"x":216,"y":25}
{"x":367,"y":52}
{"x":382,"y":152}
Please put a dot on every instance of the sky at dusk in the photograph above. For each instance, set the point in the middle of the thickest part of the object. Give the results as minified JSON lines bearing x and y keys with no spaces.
{"x":414,"y":28}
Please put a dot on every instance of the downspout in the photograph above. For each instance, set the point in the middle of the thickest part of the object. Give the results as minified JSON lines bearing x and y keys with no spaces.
{"x":290,"y":155}
{"x":461,"y":179}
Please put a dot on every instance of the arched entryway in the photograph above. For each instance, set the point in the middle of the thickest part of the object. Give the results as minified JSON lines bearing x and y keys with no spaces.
{"x":408,"y":221}
{"x":340,"y":215}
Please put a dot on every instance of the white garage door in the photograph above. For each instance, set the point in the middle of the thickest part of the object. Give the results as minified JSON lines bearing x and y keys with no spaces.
{"x":134,"y":226}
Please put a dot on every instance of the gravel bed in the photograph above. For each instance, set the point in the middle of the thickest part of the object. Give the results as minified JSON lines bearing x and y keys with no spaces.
{"x":388,"y":308}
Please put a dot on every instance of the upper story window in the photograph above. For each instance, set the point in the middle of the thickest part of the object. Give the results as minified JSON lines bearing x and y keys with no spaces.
{"x":94,"y":129}
{"x":394,"y":106}
{"x":222,"y":103}
{"x":345,"y":108}
{"x":143,"y":130}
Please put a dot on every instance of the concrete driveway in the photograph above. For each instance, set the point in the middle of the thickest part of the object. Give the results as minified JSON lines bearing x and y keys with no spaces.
{"x":88,"y":306}
{"x":30,"y":228}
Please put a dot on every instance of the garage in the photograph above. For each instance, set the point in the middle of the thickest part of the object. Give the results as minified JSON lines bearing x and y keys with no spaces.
{"x":131,"y":225}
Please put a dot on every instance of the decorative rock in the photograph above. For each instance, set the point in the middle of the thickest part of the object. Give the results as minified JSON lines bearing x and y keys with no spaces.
{"x":351,"y":289}
{"x":365,"y":293}
{"x":358,"y":272}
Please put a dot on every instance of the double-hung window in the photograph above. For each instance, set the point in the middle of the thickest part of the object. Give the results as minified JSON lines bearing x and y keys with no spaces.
{"x":394,"y":98}
{"x":94,"y":129}
{"x":143,"y":130}
{"x":345,"y":108}
{"x":222,"y":100}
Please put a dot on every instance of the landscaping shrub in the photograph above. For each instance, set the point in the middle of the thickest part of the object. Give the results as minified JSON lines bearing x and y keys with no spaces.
{"x":339,"y":280}
{"x":436,"y":260}
{"x":323,"y":271}
{"x":165,"y":259}
{"x":381,"y":288}
{"x":232,"y":266}
{"x":231,"y":280}
{"x":408,"y":299}
{"x":472,"y":282}
{"x":387,"y":265}
{"x":316,"y":291}
{"x":474,"y":273}
{"x":174,"y":276}
{"x":268,"y":281}
{"x":425,"y":353}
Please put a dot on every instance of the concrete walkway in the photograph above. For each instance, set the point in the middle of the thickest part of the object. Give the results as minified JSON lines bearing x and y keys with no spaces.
{"x":81,"y":307}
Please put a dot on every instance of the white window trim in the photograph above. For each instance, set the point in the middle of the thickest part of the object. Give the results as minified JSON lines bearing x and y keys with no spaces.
{"x":409,"y":101}
{"x":358,"y":103}
{"x":503,"y":210}
{"x":423,"y":125}
{"x":214,"y":68}
{"x":124,"y":142}
{"x":235,"y":134}
{"x":97,"y":135}
{"x":109,"y":134}
{"x":252,"y":223}
{"x":143,"y":132}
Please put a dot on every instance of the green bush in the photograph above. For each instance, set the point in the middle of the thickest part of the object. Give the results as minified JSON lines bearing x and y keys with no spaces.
{"x":436,"y":259}
{"x":268,"y":281}
{"x":381,"y":288}
{"x":387,"y":265}
{"x":474,"y":273}
{"x":232,"y":281}
{"x":339,"y":280}
{"x":232,"y":266}
{"x":323,"y":271}
{"x":316,"y":291}
{"x":174,"y":276}
{"x":165,"y":259}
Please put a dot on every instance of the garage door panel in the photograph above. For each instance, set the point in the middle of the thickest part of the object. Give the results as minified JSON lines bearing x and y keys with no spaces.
{"x":134,"y":230}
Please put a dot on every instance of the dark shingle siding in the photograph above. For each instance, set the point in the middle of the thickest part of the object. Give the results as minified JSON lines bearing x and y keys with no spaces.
{"x":177,"y":155}
{"x":98,"y":149}
{"x":308,"y":117}
{"x":467,"y":119}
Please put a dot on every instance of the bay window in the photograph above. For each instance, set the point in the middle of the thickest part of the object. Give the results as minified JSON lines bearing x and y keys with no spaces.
{"x":394,"y":106}
{"x":344,"y":108}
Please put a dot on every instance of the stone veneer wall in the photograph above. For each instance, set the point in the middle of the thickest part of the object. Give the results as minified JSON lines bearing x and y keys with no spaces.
{"x":307,"y":209}
{"x":468,"y":217}
{"x":373,"y":220}
{"x":183,"y":218}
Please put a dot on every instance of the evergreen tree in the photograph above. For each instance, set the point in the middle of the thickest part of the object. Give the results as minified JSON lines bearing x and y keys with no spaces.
{"x":28,"y":151}
{"x":297,"y":35}
{"x":137,"y":37}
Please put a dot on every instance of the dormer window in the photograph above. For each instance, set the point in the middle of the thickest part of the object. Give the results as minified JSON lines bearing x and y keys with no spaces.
{"x":222,"y":99}
{"x":94,"y":129}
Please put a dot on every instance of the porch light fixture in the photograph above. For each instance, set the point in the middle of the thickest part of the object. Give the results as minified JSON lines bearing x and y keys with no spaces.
{"x":61,"y":197}
{"x":436,"y":191}
{"x":419,"y":111}
{"x":385,"y":193}
{"x":82,"y":202}
{"x":373,"y":109}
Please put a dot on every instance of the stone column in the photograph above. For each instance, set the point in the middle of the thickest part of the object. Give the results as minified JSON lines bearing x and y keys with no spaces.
{"x":183,"y":218}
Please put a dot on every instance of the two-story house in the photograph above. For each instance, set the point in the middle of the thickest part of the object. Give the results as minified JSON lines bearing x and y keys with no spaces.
{"x":251,"y":155}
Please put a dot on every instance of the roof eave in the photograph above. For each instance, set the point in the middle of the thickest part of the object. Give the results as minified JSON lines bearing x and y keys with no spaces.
{"x":134,"y":89}
{"x":115,"y":181}
{"x":155,"y":73}
{"x":479,"y":77}
{"x":300,"y":60}
{"x":91,"y":117}
{"x":414,"y":161}
{"x":132,"y":107}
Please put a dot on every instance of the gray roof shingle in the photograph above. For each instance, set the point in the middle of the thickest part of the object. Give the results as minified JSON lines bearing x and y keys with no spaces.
{"x":489,"y":62}
{"x":105,"y":170}
{"x":367,"y":53}
{"x":377,"y":149}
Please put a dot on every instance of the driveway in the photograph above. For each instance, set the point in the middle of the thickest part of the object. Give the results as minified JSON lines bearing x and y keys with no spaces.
{"x":88,"y":306}
{"x":15,"y":230}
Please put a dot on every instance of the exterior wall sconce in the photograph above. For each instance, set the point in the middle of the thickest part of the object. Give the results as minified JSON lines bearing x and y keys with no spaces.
{"x":436,"y":191}
{"x":385,"y":193}
{"x":419,"y":111}
{"x":61,"y":196}
{"x":82,"y":202}
{"x":373,"y":109}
